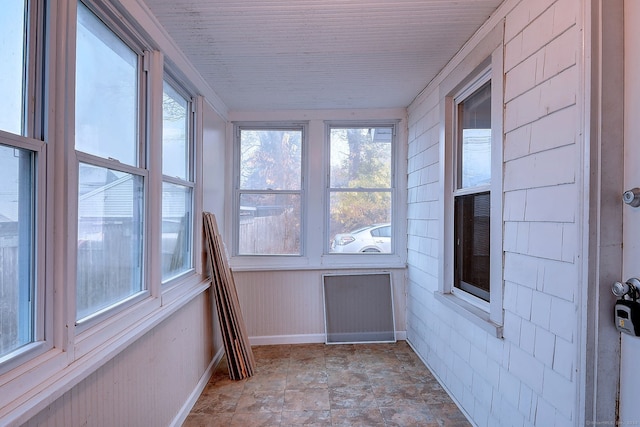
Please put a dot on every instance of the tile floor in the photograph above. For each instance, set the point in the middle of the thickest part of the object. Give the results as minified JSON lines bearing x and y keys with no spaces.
{"x":328,"y":385}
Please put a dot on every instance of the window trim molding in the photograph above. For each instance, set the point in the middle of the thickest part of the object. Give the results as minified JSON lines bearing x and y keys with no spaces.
{"x":488,"y":53}
{"x":143,"y":167}
{"x":483,"y":76}
{"x":252,"y":259}
{"x":362,"y":258}
{"x":36,"y":71}
{"x":194,"y":135}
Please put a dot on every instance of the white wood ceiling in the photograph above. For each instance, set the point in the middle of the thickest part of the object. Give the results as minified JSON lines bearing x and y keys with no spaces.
{"x":320,"y":54}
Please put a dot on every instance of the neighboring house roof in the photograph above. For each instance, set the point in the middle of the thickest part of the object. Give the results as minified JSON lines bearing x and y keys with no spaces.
{"x":115,"y":200}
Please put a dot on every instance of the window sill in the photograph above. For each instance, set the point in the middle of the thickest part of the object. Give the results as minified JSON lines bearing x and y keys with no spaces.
{"x":470,"y":312}
{"x":326,"y":262}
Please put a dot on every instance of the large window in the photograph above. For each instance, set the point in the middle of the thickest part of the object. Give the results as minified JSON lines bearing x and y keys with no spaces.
{"x":111,"y":168}
{"x":472,"y":195}
{"x":177,"y":185}
{"x":21,"y":165}
{"x":360,"y":190}
{"x":269,"y":190}
{"x":98,"y":190}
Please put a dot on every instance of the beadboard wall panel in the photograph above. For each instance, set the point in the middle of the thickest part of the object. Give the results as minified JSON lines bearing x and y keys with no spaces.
{"x":287,"y":306}
{"x":148,"y":383}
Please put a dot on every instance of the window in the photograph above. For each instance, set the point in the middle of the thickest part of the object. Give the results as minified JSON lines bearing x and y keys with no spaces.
{"x":177,"y":185}
{"x":16,"y":248}
{"x":21,"y":168}
{"x":269,"y":190}
{"x":471,"y":273}
{"x":472,"y":194}
{"x":111,"y":168}
{"x":360,"y":190}
{"x":13,"y":58}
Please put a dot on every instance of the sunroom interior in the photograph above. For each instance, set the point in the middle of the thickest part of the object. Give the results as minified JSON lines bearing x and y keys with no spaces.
{"x":455,"y":148}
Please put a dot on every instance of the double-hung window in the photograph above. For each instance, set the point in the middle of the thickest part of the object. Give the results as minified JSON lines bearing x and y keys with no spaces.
{"x":360,"y":190}
{"x":112,"y":174}
{"x":177,"y":182}
{"x":22,"y":166}
{"x":472,"y":193}
{"x":471,"y":241}
{"x":269,"y":190}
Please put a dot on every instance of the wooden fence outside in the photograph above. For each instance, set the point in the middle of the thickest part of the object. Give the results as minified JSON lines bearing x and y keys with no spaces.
{"x":270,"y":235}
{"x":9,"y":294}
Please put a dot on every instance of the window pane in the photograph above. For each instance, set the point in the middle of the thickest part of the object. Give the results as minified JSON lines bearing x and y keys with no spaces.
{"x":472,"y":237}
{"x":361,"y":222}
{"x":361,"y":157}
{"x":176,"y":230}
{"x":106,"y":92}
{"x":269,"y":224}
{"x":474,"y":139}
{"x":12,"y":65}
{"x":16,"y":249}
{"x":110,"y":238}
{"x":175,"y":134}
{"x":270,"y":159}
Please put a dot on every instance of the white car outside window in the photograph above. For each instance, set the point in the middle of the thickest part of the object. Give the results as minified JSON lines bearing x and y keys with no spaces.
{"x":371,"y":239}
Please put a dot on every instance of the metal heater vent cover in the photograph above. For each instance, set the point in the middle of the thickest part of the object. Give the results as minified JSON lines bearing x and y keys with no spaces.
{"x":358,"y":308}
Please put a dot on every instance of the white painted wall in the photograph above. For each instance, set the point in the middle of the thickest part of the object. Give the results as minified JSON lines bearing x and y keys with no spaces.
{"x":529,"y":376}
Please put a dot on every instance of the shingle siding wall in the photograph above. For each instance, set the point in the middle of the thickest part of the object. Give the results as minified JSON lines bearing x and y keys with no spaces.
{"x":529,"y":376}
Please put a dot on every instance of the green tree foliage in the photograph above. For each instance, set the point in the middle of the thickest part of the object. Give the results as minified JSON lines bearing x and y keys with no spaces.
{"x":270,"y":160}
{"x":361,"y":162}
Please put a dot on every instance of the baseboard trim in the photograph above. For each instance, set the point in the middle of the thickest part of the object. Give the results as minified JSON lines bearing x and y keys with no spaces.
{"x":183,"y":413}
{"x":303,"y":339}
{"x":287,"y":339}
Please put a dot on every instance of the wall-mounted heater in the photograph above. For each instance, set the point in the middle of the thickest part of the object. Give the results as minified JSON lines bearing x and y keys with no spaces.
{"x":358,"y":308}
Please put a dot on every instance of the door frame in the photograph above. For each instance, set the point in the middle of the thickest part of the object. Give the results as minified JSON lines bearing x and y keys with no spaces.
{"x":599,"y":340}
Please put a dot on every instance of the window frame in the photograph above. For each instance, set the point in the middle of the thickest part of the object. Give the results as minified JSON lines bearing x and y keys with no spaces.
{"x":191,"y":175}
{"x":238,"y":127}
{"x":41,"y":328}
{"x":489,"y":316}
{"x":364,"y":256}
{"x":140,"y":169}
{"x":458,"y":189}
{"x":32,"y":138}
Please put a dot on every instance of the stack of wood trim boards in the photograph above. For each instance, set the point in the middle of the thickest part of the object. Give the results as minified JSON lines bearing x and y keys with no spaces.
{"x":236,"y":343}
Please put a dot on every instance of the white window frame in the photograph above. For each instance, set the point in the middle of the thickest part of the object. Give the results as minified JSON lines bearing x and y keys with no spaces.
{"x":361,"y":257}
{"x":190,"y":181}
{"x":33,"y":139}
{"x":252,"y":259}
{"x":467,"y":77}
{"x":141,"y":169}
{"x":482,"y":78}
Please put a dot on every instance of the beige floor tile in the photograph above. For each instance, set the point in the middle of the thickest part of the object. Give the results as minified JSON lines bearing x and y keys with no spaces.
{"x":351,"y":385}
